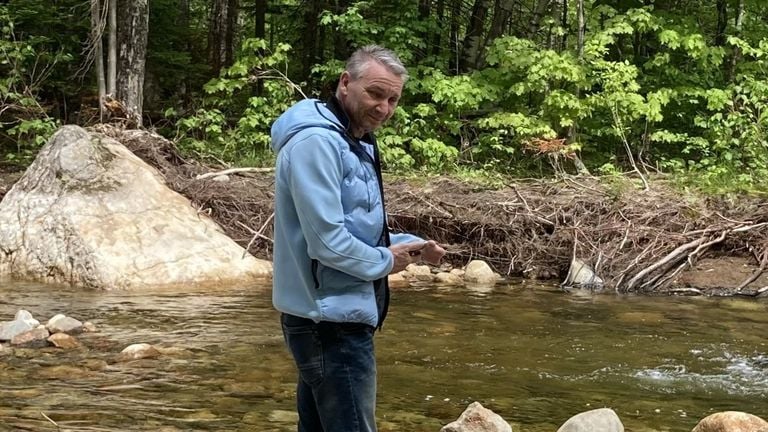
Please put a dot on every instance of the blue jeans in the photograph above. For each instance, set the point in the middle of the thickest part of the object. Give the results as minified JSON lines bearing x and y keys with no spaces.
{"x":336,"y":389}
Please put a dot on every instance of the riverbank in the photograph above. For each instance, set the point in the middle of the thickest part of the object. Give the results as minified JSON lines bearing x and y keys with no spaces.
{"x":655,"y":240}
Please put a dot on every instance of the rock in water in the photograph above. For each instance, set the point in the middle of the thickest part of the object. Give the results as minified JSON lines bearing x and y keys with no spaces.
{"x":477,"y":418}
{"x":89,"y":212}
{"x":731,"y":421}
{"x":581,"y":275}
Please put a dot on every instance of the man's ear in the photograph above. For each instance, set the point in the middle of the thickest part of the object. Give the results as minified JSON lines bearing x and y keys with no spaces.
{"x":344,"y":82}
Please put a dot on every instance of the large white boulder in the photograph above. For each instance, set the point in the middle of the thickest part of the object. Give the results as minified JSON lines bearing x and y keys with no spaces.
{"x":89,"y":212}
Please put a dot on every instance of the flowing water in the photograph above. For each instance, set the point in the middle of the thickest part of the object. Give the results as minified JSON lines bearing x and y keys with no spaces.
{"x":532,"y":354}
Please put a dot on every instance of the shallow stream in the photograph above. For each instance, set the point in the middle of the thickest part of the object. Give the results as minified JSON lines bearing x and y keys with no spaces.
{"x":531,"y":353}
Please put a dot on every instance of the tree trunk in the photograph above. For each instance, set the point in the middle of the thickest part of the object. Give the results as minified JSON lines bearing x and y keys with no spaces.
{"x":564,"y":25}
{"x":731,"y":75}
{"x":437,"y":37}
{"x":340,"y":42}
{"x":260,"y":19}
{"x":184,"y":14}
{"x":473,"y":40}
{"x":580,"y":167}
{"x":538,"y":13}
{"x":221,"y":31}
{"x":112,"y":55}
{"x":582,"y":29}
{"x":426,"y":35}
{"x":260,"y":32}
{"x":502,"y":11}
{"x":722,"y":22}
{"x":454,"y":36}
{"x":132,"y":52}
{"x":231,"y":31}
{"x":309,"y":38}
{"x":97,"y":31}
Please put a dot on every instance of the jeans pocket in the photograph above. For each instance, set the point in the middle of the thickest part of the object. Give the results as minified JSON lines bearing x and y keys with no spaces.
{"x":304,"y":343}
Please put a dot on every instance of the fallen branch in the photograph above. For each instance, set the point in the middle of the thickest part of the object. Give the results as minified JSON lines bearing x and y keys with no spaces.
{"x":444,"y":213}
{"x":756,"y":274}
{"x":49,"y":419}
{"x":671,"y":257}
{"x":686,"y":291}
{"x":255,"y":233}
{"x":258,"y":233}
{"x":232,"y":171}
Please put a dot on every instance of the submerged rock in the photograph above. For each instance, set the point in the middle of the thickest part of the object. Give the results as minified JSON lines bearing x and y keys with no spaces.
{"x":138,"y":351}
{"x":597,"y":420}
{"x":731,"y":421}
{"x":63,"y":341}
{"x":35,"y":337}
{"x":477,"y":418}
{"x":89,"y":212}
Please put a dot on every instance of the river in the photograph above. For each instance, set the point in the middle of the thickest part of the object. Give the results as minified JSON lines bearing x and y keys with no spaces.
{"x":531,"y":353}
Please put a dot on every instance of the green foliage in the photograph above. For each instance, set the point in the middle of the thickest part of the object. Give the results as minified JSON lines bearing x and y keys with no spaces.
{"x":394,"y":24}
{"x":734,"y":148}
{"x":234,"y":120}
{"x":408,"y":142}
{"x":655,"y":83}
{"x":24,"y":65}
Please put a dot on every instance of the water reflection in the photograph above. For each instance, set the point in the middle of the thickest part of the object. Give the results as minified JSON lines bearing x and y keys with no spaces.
{"x":533,"y":354}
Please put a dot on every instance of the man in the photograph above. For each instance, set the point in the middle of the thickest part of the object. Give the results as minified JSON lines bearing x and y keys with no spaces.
{"x":333,"y":250}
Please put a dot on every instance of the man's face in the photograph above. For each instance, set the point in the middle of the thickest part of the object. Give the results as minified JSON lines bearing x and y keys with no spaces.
{"x":371,"y":99}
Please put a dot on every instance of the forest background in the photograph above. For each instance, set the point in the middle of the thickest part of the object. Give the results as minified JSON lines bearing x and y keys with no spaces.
{"x":521,"y":87}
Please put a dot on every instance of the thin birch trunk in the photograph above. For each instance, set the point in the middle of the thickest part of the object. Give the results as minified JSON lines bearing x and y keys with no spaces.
{"x":112,"y":49}
{"x":97,"y":30}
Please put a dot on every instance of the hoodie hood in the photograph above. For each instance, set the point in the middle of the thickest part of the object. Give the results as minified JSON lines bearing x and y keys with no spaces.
{"x":305,"y":114}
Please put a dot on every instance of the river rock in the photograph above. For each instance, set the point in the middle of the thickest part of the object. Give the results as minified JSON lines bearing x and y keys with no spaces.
{"x":63,"y":341}
{"x":731,"y":421}
{"x":448,"y":279}
{"x":419,"y":272}
{"x":35,"y":337}
{"x":477,"y":418}
{"x":479,"y":272}
{"x":581,"y":275}
{"x":397,"y":280}
{"x":63,"y":324}
{"x":138,"y":351}
{"x":22,"y":322}
{"x":597,"y":420}
{"x":89,"y":212}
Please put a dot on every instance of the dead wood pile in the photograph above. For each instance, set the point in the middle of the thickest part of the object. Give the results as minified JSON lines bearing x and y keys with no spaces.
{"x":637,"y":241}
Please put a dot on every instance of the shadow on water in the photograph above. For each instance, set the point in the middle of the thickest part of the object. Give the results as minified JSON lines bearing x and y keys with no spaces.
{"x":533,"y":354}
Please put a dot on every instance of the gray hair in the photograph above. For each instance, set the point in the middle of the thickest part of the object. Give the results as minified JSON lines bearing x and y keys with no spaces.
{"x":359,"y":60}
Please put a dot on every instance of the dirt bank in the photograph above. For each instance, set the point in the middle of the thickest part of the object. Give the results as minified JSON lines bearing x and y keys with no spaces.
{"x":644,"y":241}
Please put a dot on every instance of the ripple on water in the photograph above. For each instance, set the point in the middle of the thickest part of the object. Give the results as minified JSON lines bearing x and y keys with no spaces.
{"x":727,"y":373}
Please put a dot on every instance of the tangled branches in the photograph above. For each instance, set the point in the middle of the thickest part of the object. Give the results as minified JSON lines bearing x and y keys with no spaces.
{"x":636,"y":240}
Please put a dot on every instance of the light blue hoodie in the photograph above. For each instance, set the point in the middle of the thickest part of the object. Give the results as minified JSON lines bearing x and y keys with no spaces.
{"x":329,"y":219}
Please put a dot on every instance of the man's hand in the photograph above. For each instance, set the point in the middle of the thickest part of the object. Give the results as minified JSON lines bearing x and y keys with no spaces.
{"x":407,"y":253}
{"x":432,"y":253}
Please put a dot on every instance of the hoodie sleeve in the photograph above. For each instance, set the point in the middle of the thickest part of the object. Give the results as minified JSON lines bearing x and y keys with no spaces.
{"x":398,"y":238}
{"x":315,"y":176}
